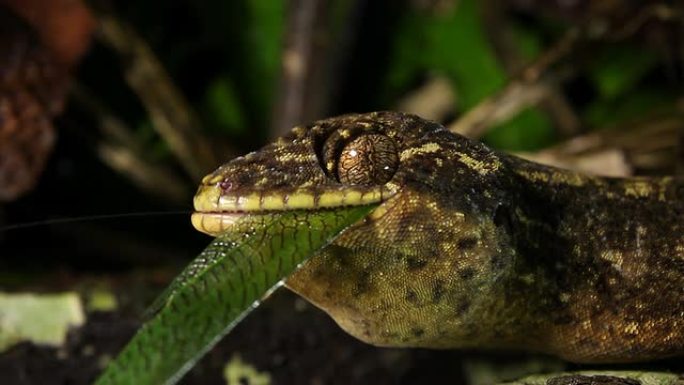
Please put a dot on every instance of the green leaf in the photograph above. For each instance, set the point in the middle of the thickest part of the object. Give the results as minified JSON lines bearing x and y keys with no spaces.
{"x":453,"y":44}
{"x":529,"y":130}
{"x":456,"y":45}
{"x":220,"y":287}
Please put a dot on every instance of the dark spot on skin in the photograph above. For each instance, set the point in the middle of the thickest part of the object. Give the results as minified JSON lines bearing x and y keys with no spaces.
{"x":466,"y":243}
{"x":462,"y":307}
{"x":415,"y":264}
{"x":362,"y":285}
{"x":502,"y":217}
{"x":418,"y":331}
{"x":412,"y":296}
{"x":497,"y":262}
{"x":467,"y":273}
{"x":679,"y":194}
{"x":243,"y":381}
{"x":438,"y":291}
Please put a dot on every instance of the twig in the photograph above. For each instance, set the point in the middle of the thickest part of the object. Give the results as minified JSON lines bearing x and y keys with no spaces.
{"x":660,"y":12}
{"x":125,"y":154}
{"x":500,"y":33}
{"x":170,"y":113}
{"x":434,"y":100}
{"x":518,"y":95}
{"x":316,"y":42}
{"x":648,"y":145}
{"x":532,"y":85}
{"x":300,"y":54}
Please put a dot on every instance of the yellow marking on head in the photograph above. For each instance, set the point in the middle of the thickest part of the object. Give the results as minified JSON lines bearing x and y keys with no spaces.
{"x":212,"y":178}
{"x":249,"y":202}
{"x":352,"y":197}
{"x":615,"y":257}
{"x":482,"y":167}
{"x":210,"y":199}
{"x":638,"y":188}
{"x":663,"y":184}
{"x":299,"y":130}
{"x":372,"y":196}
{"x":261,"y":182}
{"x":207,"y":198}
{"x":555,"y":177}
{"x":300,"y":201}
{"x":297,"y":158}
{"x":427,"y":148}
{"x":272,"y":202}
{"x":330,"y":199}
{"x":644,"y":188}
{"x":227,"y":202}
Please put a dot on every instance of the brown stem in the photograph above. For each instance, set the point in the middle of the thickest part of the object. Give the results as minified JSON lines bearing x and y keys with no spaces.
{"x":169,"y":111}
{"x":124,"y":153}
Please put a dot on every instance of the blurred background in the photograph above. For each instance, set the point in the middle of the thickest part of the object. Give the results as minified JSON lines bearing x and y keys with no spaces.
{"x":109,"y":108}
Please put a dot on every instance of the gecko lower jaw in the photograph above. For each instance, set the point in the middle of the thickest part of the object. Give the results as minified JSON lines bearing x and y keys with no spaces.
{"x":217,"y":212}
{"x":216,"y":223}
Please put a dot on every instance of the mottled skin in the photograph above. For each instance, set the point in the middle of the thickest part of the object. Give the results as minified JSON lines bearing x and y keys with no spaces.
{"x":469,"y":247}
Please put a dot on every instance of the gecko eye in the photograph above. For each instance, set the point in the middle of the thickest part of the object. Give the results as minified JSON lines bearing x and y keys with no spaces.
{"x":367,"y":160}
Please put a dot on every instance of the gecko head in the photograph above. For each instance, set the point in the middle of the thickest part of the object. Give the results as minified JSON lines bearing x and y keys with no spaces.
{"x":350,"y":160}
{"x":419,"y":266}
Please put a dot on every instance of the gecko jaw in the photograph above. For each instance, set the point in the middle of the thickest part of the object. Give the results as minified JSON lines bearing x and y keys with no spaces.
{"x":217,"y":212}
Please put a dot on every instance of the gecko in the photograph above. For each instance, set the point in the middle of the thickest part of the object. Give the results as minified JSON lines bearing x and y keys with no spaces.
{"x":469,"y":247}
{"x":409,"y":235}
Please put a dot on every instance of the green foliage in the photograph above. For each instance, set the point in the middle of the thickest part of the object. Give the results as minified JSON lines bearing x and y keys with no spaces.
{"x":455,"y":44}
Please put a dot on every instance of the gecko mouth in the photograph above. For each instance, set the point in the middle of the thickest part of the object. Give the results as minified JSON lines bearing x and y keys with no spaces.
{"x":217,"y":212}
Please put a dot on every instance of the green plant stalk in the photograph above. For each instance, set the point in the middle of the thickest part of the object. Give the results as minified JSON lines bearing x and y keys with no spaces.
{"x":220,"y":287}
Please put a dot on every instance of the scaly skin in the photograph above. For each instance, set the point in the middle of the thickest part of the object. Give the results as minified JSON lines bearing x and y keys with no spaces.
{"x":469,"y":247}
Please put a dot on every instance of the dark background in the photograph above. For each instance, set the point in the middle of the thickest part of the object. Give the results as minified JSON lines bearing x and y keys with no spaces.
{"x":618,"y":87}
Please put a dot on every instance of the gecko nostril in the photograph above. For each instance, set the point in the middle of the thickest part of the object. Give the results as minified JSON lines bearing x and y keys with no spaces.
{"x":226,"y":185}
